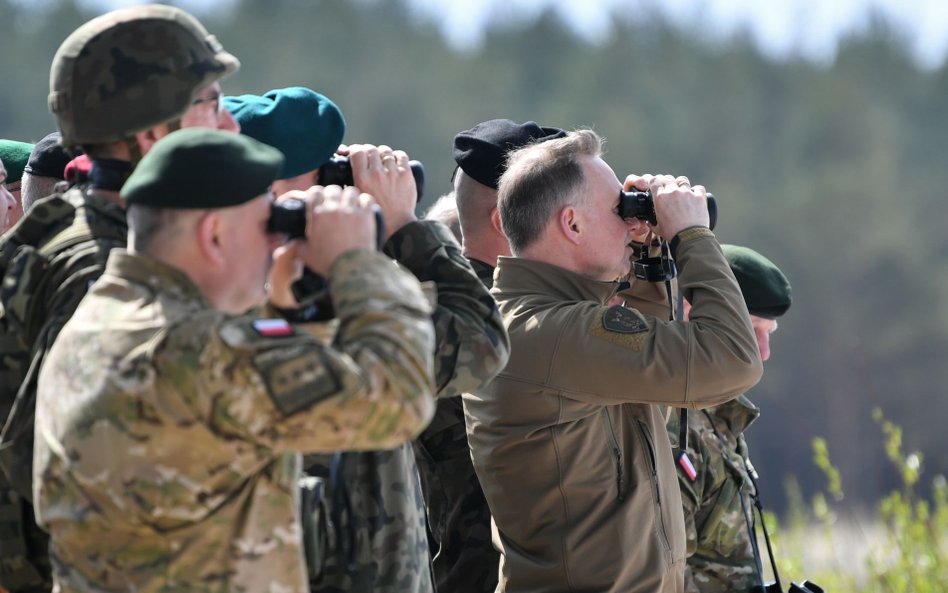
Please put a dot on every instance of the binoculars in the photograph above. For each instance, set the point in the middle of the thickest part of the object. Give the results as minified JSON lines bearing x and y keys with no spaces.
{"x":804,"y":587}
{"x":639,"y":204}
{"x":338,"y":171}
{"x":289,"y":218}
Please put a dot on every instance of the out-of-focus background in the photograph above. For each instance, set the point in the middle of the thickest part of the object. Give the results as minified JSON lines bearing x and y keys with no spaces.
{"x":821,"y":127}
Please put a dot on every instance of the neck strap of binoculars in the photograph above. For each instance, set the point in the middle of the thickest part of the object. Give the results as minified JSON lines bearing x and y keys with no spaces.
{"x":676,"y":307}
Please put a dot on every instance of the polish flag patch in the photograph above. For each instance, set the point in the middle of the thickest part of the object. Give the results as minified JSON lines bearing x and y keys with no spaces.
{"x":689,"y":468}
{"x":273,"y":327}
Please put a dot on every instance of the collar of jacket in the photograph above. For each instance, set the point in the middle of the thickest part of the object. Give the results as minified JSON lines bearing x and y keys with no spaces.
{"x":159,"y":277}
{"x":526,"y":276}
{"x":738,"y":414}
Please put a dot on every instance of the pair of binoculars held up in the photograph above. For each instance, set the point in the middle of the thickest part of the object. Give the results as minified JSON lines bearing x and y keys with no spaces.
{"x":289,"y":218}
{"x":639,"y":204}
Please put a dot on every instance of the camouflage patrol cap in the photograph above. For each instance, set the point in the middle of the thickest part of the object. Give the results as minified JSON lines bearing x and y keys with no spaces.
{"x":766,"y":290}
{"x":132,"y":69}
{"x":203,"y":168}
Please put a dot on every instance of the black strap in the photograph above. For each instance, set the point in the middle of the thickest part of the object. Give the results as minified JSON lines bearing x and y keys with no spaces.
{"x":763,"y":525}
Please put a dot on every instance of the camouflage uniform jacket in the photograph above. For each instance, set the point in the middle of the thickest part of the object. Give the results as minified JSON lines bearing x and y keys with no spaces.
{"x":47,"y":262}
{"x":464,"y":559}
{"x":168,"y":433}
{"x":376,"y":502}
{"x":720,"y":556}
{"x":573,"y":456}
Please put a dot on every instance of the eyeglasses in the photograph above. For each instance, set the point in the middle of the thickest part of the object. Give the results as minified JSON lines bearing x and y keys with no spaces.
{"x":214,"y":99}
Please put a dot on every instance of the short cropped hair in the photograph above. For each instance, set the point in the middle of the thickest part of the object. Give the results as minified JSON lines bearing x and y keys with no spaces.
{"x":540,"y":179}
{"x":445,"y":210}
{"x":146,"y":223}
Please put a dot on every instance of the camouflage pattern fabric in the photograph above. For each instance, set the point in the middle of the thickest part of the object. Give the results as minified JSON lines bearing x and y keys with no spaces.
{"x":376,"y":500}
{"x":168,"y":432}
{"x":464,"y":559}
{"x":47,"y":262}
{"x":720,"y":556}
{"x":459,"y":533}
{"x":102,"y":72}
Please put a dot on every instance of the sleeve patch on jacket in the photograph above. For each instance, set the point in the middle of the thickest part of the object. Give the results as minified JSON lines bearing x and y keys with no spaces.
{"x":623,"y":327}
{"x":298,"y":380}
{"x":623,"y":321}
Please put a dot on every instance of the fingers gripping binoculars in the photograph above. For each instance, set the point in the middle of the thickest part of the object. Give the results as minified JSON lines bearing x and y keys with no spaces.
{"x":338,"y":171}
{"x":639,"y":204}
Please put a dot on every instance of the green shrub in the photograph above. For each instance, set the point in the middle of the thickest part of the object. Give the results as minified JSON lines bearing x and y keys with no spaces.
{"x":908,"y":551}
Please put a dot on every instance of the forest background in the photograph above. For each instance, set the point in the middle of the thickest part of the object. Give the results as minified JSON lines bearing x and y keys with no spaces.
{"x":836,"y":170}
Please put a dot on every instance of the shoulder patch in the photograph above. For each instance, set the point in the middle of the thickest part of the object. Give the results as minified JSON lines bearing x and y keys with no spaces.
{"x":296,"y":370}
{"x":624,"y":321}
{"x":299,"y":377}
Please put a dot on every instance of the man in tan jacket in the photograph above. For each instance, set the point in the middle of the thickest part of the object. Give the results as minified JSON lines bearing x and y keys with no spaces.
{"x":568,"y":441}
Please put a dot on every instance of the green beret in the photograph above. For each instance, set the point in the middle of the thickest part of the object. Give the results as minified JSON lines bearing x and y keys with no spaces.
{"x":14,"y":155}
{"x":203,"y":168}
{"x":302,"y":124}
{"x":766,"y":290}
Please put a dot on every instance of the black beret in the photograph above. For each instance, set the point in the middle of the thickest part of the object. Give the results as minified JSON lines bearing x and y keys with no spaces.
{"x":302,"y":124}
{"x":203,"y":168}
{"x":49,"y":158}
{"x":481,"y":152}
{"x":766,"y":290}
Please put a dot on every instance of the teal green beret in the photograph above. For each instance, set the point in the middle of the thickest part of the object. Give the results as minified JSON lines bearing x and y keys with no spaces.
{"x":302,"y":124}
{"x":203,"y":168}
{"x":14,"y":156}
{"x":766,"y":290}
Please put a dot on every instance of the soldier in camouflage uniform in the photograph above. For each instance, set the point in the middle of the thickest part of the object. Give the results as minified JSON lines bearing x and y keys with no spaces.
{"x":715,"y":487}
{"x":169,"y":420}
{"x":368,"y":510}
{"x":116,"y":84}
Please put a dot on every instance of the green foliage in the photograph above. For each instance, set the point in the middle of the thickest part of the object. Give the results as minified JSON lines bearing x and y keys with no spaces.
{"x":908,"y":555}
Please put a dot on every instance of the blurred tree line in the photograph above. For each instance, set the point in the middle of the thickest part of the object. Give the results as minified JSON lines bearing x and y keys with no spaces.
{"x":837,"y":172}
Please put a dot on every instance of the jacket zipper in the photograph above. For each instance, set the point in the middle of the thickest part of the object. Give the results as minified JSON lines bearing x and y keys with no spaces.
{"x":650,"y":450}
{"x":616,"y":452}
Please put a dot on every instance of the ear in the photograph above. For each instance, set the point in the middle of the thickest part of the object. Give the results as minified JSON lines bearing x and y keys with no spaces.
{"x":569,"y":225}
{"x":495,"y":221}
{"x":209,"y":238}
{"x":147,"y":138}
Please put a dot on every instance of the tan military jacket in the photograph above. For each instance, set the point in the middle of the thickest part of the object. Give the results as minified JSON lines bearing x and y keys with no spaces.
{"x":575,"y":463}
{"x":167,"y":432}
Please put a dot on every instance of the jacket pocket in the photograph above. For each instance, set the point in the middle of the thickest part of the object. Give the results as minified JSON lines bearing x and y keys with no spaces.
{"x":613,"y":443}
{"x":650,"y":460}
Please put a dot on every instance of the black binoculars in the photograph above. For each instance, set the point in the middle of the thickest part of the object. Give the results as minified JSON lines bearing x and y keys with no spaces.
{"x":804,"y":587}
{"x":639,"y":204}
{"x":338,"y":171}
{"x":289,"y":218}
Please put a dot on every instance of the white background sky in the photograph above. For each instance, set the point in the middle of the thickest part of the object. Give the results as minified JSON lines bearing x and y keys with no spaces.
{"x":807,"y":27}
